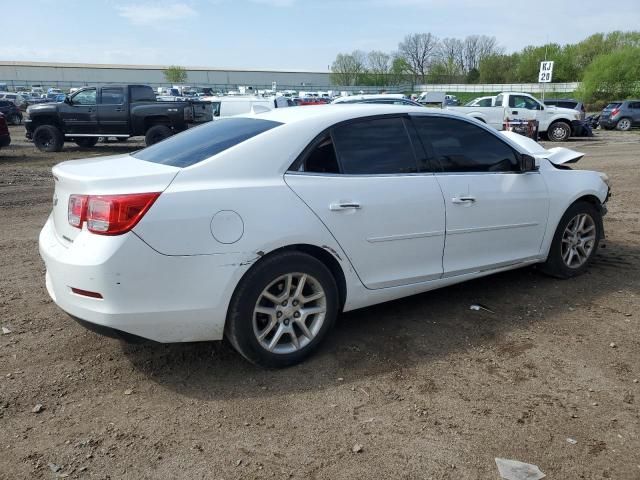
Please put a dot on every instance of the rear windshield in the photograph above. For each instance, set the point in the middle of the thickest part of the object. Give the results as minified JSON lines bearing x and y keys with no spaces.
{"x":611,"y":106}
{"x":197,"y":144}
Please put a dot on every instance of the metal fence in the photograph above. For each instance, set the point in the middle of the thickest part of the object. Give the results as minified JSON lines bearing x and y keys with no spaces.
{"x":500,"y":87}
{"x":366,"y":89}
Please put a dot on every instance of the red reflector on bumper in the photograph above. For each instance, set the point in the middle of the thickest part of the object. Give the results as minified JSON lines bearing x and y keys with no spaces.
{"x":86,"y":293}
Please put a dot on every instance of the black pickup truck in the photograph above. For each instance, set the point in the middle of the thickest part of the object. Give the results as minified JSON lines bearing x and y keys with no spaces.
{"x":111,"y":110}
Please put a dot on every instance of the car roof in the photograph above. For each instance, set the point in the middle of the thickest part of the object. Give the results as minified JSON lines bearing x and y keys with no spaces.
{"x":330,"y":114}
{"x":351,"y":98}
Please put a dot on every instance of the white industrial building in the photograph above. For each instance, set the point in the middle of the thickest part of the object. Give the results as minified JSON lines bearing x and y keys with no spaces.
{"x":66,"y":75}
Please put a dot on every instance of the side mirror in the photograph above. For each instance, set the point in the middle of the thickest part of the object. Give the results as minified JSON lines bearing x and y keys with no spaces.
{"x":67,"y":99}
{"x":529,"y":163}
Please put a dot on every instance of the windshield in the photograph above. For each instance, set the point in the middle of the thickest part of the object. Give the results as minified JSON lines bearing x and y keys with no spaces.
{"x":611,"y":106}
{"x":197,"y":144}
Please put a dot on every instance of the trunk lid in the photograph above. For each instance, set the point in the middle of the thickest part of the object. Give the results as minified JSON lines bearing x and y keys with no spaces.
{"x":118,"y":174}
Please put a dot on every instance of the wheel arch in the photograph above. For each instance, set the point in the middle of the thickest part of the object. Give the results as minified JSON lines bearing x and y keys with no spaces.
{"x":326,"y":255}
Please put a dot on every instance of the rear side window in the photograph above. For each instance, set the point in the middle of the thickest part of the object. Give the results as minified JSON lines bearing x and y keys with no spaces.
{"x":459,"y":146}
{"x":142,"y":93}
{"x":376,"y":146}
{"x":197,"y":144}
{"x":634,"y":105}
{"x":112,"y":96}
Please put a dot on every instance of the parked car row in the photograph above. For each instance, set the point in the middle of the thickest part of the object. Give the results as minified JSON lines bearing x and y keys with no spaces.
{"x":621,"y":115}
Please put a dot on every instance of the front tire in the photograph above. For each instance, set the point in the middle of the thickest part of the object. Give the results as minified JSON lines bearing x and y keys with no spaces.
{"x":559,"y":132}
{"x":282,"y":310}
{"x":48,"y":138}
{"x":575,"y":242}
{"x":156,"y":134}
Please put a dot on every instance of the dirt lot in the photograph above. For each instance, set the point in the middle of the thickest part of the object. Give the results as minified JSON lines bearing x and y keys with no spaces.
{"x":427,"y":387}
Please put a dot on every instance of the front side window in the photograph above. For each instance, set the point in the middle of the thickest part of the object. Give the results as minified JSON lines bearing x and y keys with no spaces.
{"x":86,"y":97}
{"x":197,"y":144}
{"x":376,"y":146}
{"x":520,"y":101}
{"x":460,"y":146}
{"x":112,"y":96}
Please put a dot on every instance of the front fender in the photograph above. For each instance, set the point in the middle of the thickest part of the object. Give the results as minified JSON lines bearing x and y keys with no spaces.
{"x":565,"y":187}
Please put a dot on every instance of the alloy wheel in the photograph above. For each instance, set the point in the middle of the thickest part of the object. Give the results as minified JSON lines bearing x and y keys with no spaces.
{"x":289,"y":313}
{"x":578,"y":240}
{"x":624,"y":124}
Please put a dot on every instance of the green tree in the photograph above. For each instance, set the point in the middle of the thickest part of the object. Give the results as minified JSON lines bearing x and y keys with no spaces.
{"x":175,"y":74}
{"x":614,"y":75}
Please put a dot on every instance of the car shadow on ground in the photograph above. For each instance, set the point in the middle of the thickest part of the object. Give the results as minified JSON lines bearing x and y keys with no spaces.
{"x":394,"y":336}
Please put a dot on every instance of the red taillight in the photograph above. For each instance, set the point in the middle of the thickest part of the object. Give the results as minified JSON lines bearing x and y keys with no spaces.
{"x":77,"y":210}
{"x":615,"y":111}
{"x":111,"y":214}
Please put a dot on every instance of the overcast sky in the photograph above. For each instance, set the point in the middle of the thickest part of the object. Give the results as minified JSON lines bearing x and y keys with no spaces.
{"x":284,"y":34}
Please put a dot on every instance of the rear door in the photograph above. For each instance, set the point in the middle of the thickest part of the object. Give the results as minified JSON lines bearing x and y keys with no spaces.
{"x":113,"y":117}
{"x":635,"y":112}
{"x":80,"y":115}
{"x":496,"y":215}
{"x":362,"y":180}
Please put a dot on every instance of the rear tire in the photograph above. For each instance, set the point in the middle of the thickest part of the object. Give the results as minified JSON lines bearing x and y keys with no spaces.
{"x":577,"y":235}
{"x":624,"y":124}
{"x":86,"y":142}
{"x":48,"y":138}
{"x":559,"y":131}
{"x":275,"y":323}
{"x":156,"y":134}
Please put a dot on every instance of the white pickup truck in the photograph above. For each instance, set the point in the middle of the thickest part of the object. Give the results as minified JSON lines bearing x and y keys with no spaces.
{"x":557,"y":123}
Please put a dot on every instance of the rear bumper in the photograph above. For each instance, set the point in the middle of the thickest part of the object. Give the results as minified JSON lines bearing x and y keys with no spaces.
{"x":607,"y":122}
{"x":145,"y":294}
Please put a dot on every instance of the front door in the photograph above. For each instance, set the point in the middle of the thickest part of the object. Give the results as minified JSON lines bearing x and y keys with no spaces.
{"x":80,"y":115}
{"x":361,"y":180}
{"x":522,"y":107}
{"x":496,"y":214}
{"x":113,"y":116}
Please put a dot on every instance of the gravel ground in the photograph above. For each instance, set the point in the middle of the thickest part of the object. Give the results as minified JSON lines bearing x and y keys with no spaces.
{"x":421,"y":388}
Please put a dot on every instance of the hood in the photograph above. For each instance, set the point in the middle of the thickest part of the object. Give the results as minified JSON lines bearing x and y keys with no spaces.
{"x":556,"y":155}
{"x":564,"y":111}
{"x":42,"y":108}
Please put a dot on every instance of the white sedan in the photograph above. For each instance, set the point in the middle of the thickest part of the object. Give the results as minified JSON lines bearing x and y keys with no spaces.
{"x":262,"y":228}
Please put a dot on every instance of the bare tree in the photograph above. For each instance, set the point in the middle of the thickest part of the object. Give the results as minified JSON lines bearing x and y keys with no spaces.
{"x":379,"y":66}
{"x":342,"y":69}
{"x":418,"y":50}
{"x":477,"y":48}
{"x":347,"y":68}
{"x":451,"y":53}
{"x":359,"y":65}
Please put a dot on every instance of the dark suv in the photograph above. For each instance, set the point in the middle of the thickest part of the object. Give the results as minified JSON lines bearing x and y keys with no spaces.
{"x":567,"y":103}
{"x":621,"y":115}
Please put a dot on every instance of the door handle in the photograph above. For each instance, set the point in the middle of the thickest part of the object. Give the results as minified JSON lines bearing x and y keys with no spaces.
{"x":514,"y":112}
{"x":118,"y":109}
{"x":463,"y":200}
{"x":334,"y":207}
